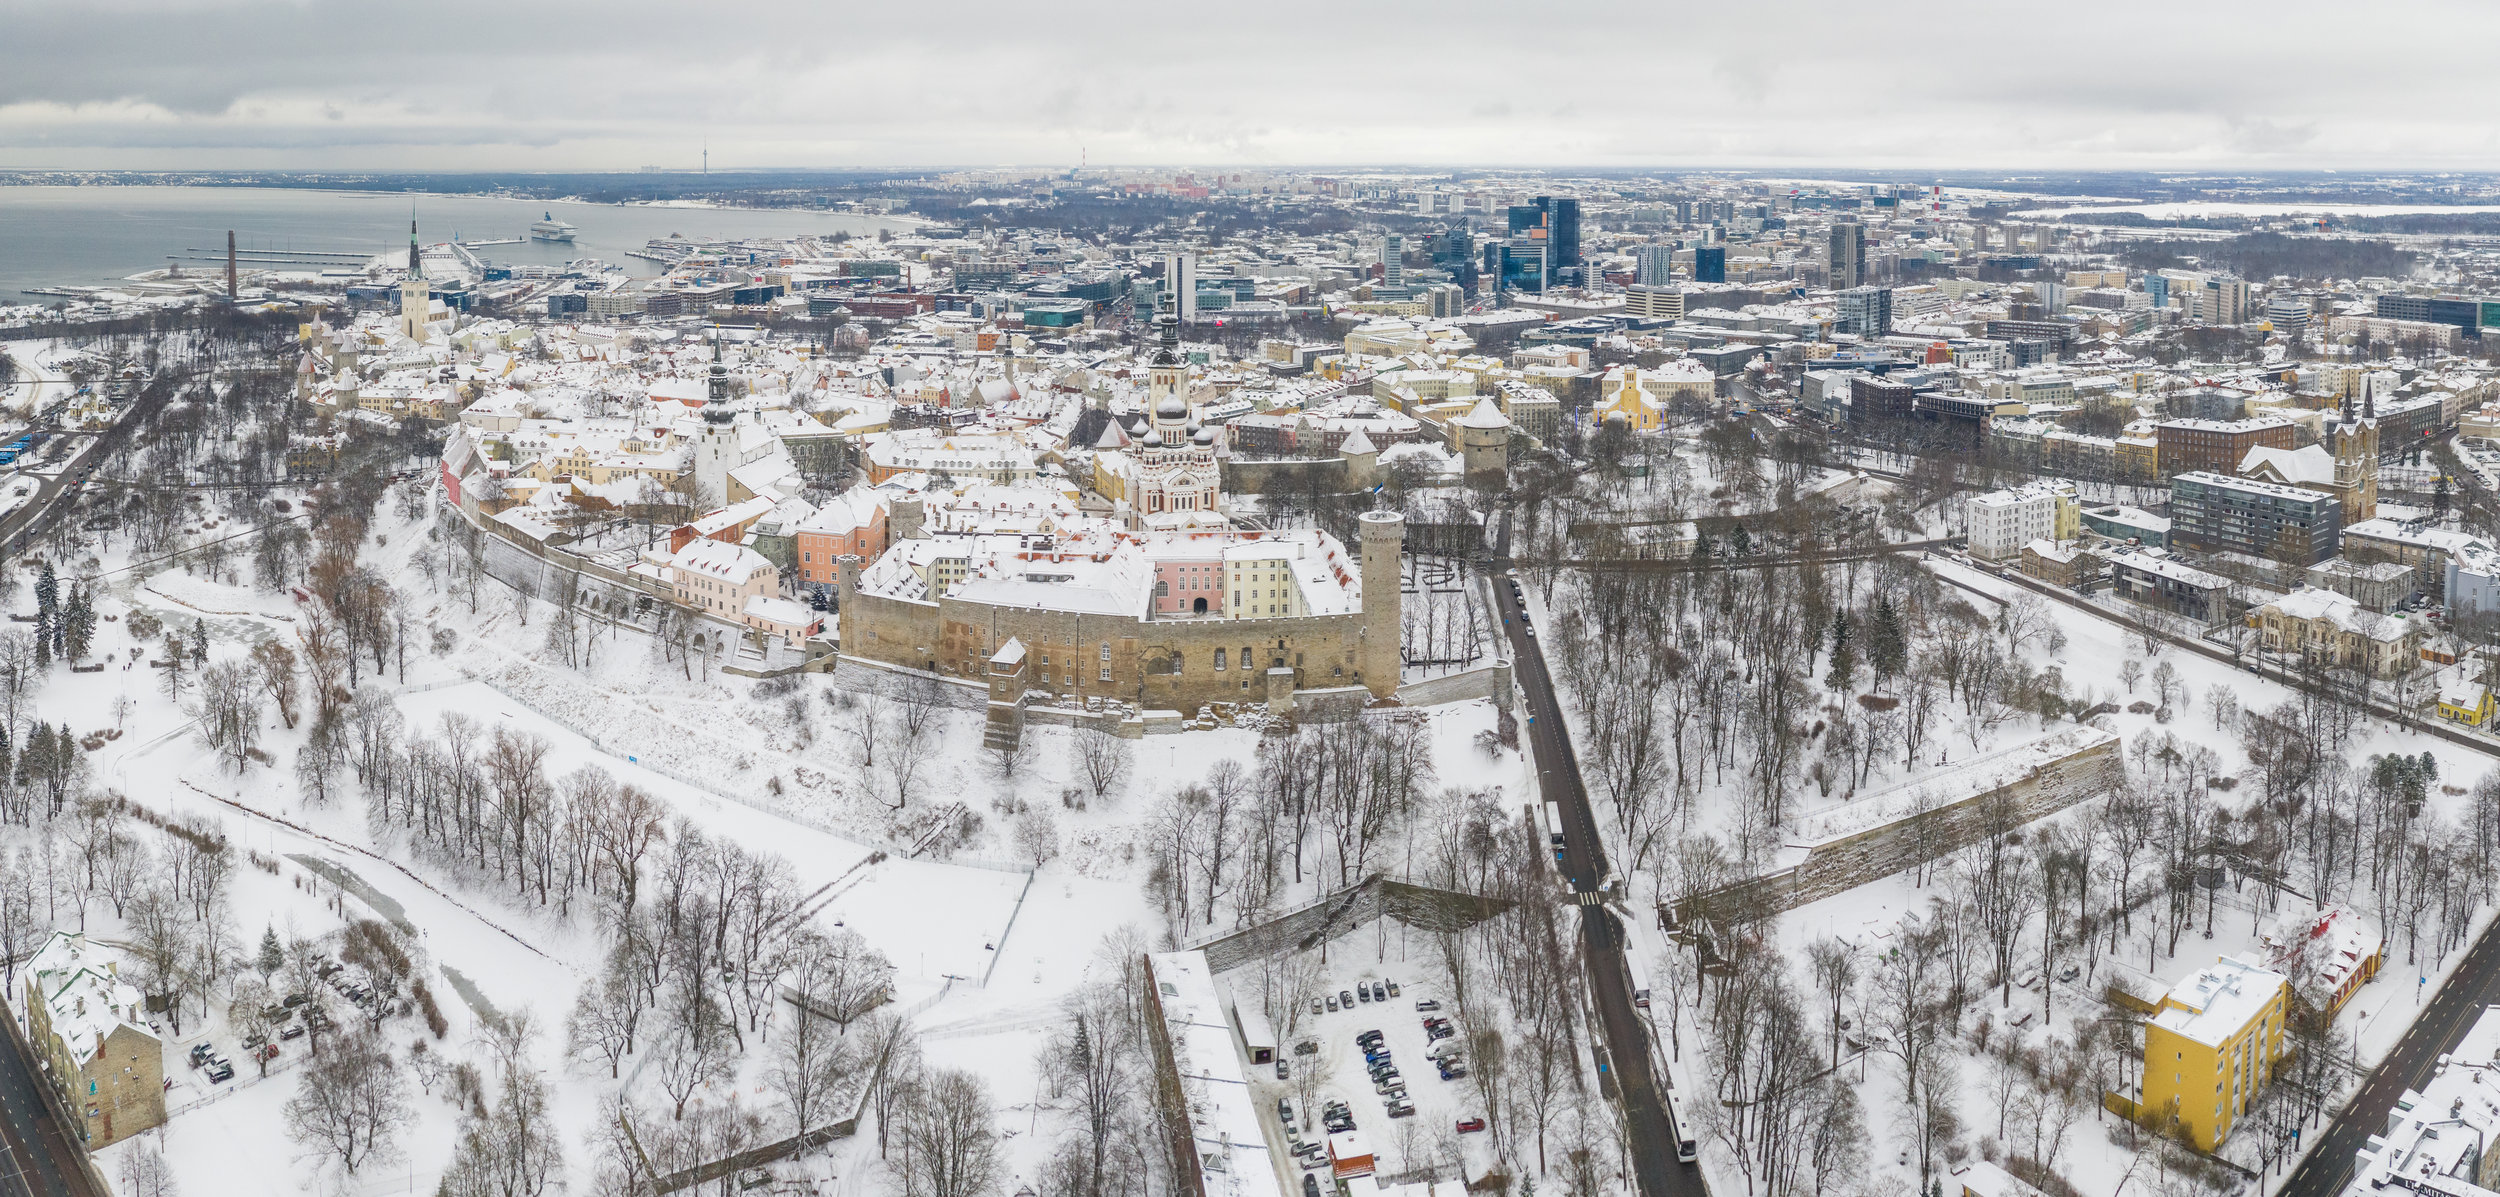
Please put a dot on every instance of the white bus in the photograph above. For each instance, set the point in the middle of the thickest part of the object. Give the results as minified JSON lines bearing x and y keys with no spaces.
{"x":1680,"y":1124}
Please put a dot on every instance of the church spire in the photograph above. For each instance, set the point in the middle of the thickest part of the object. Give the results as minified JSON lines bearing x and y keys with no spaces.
{"x":716,"y":394}
{"x":415,"y":268}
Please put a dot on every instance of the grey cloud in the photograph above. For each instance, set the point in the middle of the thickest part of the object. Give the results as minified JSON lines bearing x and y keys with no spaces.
{"x":563,"y":83}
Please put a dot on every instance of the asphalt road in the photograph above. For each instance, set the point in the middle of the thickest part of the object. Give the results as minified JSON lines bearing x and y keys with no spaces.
{"x":2475,"y":985}
{"x":49,"y":491}
{"x":35,"y":1159}
{"x":1627,"y":1054}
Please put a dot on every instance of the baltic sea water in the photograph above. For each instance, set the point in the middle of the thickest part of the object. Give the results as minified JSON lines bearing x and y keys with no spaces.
{"x":97,"y":236}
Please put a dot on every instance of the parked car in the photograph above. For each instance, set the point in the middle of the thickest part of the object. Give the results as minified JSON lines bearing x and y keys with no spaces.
{"x":1310,"y":1185}
{"x":1380,"y":991}
{"x":1393,"y":989}
{"x":1470,"y":1125}
{"x":1280,"y":1068}
{"x":1332,"y":1005}
{"x":1362,"y":993}
{"x":219,"y":1072}
{"x":293,"y":1030}
{"x":1427,"y":1004}
{"x":1314,"y":1005}
{"x":1284,"y":1110}
{"x":1345,"y":998}
{"x":1402,"y":1110}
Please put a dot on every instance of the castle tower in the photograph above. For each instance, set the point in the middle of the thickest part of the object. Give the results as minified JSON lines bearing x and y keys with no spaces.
{"x":1381,"y":660}
{"x":416,"y":300}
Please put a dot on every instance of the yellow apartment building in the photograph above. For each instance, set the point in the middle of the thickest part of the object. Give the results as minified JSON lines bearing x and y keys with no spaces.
{"x":2211,"y":1045}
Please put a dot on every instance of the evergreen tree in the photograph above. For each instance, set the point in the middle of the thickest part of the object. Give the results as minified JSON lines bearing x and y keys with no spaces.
{"x":272,"y":957}
{"x":1702,"y":548}
{"x":43,"y":648}
{"x":1887,"y":645}
{"x":199,"y":642}
{"x":77,"y":625}
{"x":1741,"y":543}
{"x":47,"y":595}
{"x":2439,"y":496}
{"x":1844,"y":655}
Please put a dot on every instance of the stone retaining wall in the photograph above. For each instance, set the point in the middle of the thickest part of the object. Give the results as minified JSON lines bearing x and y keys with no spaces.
{"x":1847,"y":862}
{"x":1419,"y":906}
{"x":1489,"y":680}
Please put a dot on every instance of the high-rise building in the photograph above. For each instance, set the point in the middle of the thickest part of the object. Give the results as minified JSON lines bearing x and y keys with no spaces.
{"x":1848,"y":255}
{"x":1393,"y":261}
{"x":1710,"y":264}
{"x":2226,"y":299}
{"x":1865,"y":311}
{"x":1180,"y":279}
{"x":1517,"y":265}
{"x":1562,"y":223}
{"x":2157,"y":287}
{"x":1553,"y":222}
{"x":1654,"y":265}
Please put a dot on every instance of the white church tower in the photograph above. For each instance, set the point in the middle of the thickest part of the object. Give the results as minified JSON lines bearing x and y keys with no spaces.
{"x":717,"y":452}
{"x":416,"y":300}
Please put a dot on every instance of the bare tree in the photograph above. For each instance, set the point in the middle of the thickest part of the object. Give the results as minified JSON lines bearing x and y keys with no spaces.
{"x":144,"y":1172}
{"x":351,"y":1103}
{"x":812,"y":1060}
{"x":1834,"y":963}
{"x":950,"y":1148}
{"x":276,"y":665}
{"x":229,"y":712}
{"x":1036,"y":835}
{"x":696,"y":1052}
{"x":1102,"y":759}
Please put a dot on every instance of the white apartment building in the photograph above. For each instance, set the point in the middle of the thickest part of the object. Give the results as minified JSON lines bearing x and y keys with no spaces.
{"x":2002,"y":522}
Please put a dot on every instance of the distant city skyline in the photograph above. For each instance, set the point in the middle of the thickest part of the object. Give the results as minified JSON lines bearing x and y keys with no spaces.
{"x":1939,"y":84}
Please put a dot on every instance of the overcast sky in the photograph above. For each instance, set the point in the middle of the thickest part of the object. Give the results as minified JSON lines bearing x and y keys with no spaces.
{"x":549,"y":84}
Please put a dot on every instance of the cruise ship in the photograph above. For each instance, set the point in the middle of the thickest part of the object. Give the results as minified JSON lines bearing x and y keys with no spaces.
{"x":551,"y":229}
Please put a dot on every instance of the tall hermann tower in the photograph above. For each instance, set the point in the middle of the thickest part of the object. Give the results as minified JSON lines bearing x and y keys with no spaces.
{"x":1381,"y":660}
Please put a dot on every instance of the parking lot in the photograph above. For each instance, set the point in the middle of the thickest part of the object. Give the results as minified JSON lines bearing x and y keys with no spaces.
{"x":1375,"y":1068}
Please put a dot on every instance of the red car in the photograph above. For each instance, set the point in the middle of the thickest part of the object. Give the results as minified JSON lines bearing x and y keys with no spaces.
{"x":1470,"y":1124}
